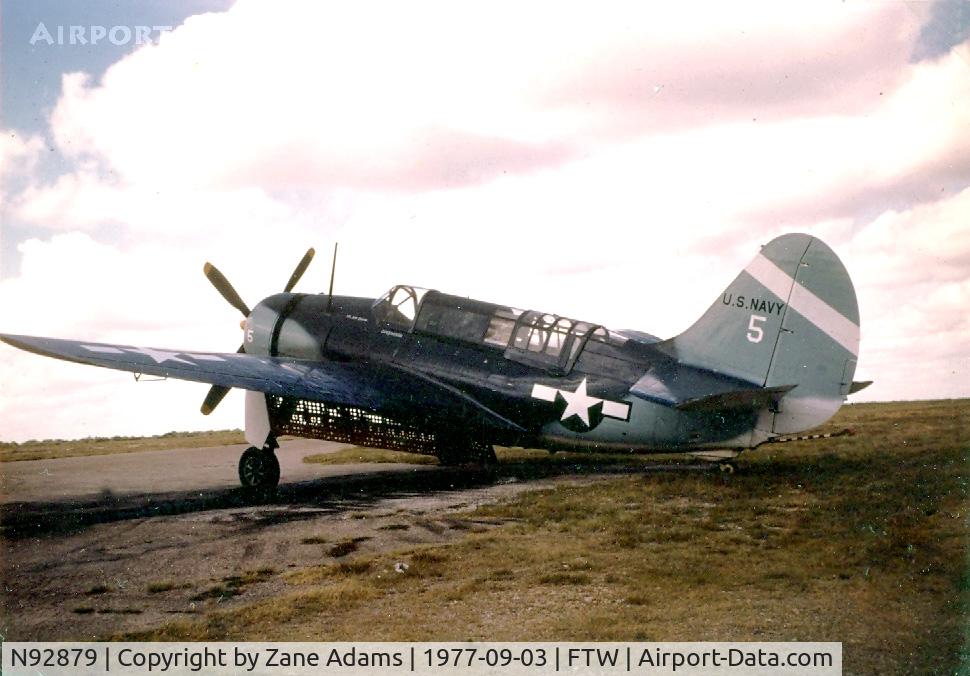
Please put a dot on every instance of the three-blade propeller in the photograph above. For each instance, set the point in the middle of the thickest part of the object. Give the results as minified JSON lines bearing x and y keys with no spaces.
{"x":217,"y":392}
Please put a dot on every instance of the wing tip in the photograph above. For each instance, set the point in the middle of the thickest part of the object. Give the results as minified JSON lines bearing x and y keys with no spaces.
{"x":11,"y":339}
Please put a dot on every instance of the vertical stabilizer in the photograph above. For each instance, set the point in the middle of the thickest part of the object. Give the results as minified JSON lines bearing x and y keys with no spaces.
{"x":790,"y":318}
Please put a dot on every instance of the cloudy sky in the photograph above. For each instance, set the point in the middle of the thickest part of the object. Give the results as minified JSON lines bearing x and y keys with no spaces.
{"x":618,"y":165}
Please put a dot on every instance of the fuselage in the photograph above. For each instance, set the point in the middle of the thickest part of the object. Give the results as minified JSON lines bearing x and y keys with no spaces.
{"x":564,"y":383}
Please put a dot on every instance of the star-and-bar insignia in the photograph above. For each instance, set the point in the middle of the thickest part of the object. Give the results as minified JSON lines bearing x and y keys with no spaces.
{"x":582,"y":412}
{"x":158,"y":356}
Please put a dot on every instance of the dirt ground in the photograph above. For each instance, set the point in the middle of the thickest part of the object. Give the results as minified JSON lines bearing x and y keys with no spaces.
{"x":860,"y":539}
{"x":94,"y":569}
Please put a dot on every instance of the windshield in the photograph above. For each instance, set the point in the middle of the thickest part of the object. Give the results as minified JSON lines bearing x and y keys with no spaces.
{"x":398,"y":307}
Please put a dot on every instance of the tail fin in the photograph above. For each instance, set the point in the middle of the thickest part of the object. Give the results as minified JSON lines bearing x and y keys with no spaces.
{"x":790,"y":319}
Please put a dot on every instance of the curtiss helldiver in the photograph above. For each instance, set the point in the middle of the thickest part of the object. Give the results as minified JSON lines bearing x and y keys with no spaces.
{"x":428,"y":372}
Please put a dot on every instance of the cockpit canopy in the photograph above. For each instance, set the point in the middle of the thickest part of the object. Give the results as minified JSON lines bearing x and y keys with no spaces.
{"x":550,"y":341}
{"x":529,"y":337}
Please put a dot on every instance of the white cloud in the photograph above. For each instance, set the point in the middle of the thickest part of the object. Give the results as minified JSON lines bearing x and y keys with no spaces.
{"x":384,"y":96}
{"x":912,"y":274}
{"x":74,"y":287}
{"x":18,"y":161}
{"x":18,"y":154}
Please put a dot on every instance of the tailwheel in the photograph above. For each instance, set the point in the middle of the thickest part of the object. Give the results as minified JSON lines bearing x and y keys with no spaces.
{"x":727,"y":467}
{"x":259,"y":468}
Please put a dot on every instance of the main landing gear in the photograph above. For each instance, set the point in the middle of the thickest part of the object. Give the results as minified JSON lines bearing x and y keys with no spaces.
{"x":259,"y":468}
{"x":458,"y":451}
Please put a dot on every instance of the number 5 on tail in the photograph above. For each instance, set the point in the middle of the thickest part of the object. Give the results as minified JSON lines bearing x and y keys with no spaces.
{"x":755,"y":332}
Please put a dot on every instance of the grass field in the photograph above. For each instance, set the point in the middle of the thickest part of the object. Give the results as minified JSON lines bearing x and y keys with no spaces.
{"x":858,"y":539}
{"x":506,"y":456}
{"x":59,"y":448}
{"x":356,"y":454}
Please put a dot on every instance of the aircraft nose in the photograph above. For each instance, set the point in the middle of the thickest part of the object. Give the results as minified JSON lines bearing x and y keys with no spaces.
{"x":259,"y":326}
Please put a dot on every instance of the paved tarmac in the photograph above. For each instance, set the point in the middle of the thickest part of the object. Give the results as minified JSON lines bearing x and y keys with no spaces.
{"x":181,"y":470}
{"x":70,"y":494}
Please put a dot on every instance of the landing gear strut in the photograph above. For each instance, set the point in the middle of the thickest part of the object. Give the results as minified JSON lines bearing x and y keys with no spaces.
{"x":483,"y":453}
{"x":259,"y":468}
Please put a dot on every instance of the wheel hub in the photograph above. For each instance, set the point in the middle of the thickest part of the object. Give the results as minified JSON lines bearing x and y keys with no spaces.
{"x":259,"y":467}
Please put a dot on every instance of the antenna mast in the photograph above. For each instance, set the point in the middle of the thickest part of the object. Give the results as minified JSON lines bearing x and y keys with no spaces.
{"x":333,"y":270}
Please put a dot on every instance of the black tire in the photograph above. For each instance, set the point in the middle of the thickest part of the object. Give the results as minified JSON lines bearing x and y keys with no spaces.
{"x":483,"y":453}
{"x":259,"y":468}
{"x":454,"y":451}
{"x":450,"y":453}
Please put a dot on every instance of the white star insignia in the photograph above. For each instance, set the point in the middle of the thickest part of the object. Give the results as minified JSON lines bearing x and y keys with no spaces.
{"x":158,"y":356}
{"x":578,"y":403}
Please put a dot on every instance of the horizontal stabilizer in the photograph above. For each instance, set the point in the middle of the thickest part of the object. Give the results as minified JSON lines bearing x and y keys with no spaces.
{"x":742,"y":399}
{"x":859,"y":385}
{"x":690,"y":388}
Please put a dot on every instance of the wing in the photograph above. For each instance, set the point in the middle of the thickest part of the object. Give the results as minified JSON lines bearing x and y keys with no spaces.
{"x":379,"y":387}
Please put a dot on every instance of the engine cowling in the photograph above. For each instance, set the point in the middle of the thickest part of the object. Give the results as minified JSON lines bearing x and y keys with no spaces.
{"x":276,"y":328}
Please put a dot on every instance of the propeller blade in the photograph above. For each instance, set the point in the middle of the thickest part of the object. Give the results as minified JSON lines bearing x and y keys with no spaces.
{"x":300,"y":269}
{"x":217,"y":392}
{"x":212,"y":399}
{"x":225,"y":288}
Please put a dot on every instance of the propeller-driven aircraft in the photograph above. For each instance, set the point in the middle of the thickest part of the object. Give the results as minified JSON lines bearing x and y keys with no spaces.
{"x":427,"y":372}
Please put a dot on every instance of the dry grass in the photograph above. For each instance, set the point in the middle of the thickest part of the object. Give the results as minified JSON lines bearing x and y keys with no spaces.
{"x":357,"y":454}
{"x":234,"y":585}
{"x":162,"y":586}
{"x":342,"y":595}
{"x":60,"y":448}
{"x":861,"y":540}
{"x":313,"y":540}
{"x":346,"y":547}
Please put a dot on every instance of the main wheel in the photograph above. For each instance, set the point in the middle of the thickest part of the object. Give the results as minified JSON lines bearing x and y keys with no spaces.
{"x":483,"y":453}
{"x":464,"y":451}
{"x":450,"y":454}
{"x":259,"y":468}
